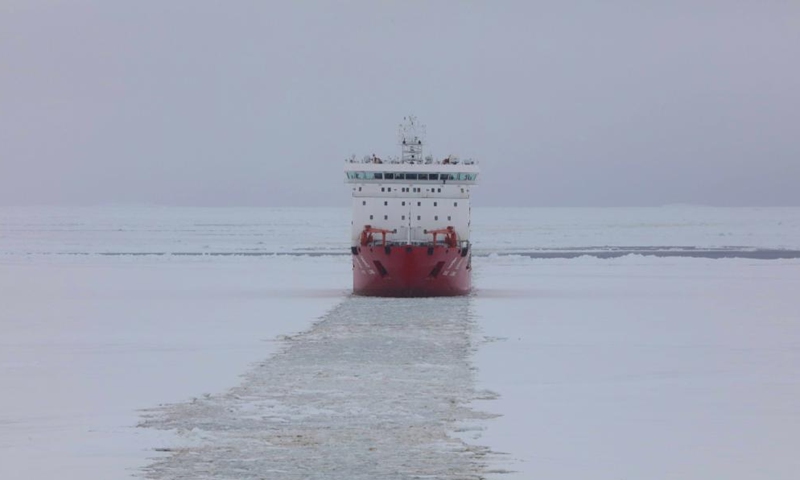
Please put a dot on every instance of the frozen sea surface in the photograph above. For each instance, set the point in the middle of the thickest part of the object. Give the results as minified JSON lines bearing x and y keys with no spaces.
{"x":231,"y":336}
{"x":254,"y":231}
{"x":375,"y":389}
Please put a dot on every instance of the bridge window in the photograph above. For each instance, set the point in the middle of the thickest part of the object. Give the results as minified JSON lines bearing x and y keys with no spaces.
{"x":423,"y":176}
{"x":433,"y":176}
{"x":399,"y":176}
{"x":411,"y":176}
{"x":378,"y":175}
{"x":388,"y":176}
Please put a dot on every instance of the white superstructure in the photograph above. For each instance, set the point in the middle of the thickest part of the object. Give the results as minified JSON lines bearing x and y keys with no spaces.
{"x":411,"y":195}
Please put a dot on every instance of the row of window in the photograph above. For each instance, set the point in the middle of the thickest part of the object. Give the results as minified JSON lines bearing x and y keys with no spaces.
{"x":410,"y":176}
{"x":419,"y":204}
{"x":403,"y":217}
{"x":412,"y":190}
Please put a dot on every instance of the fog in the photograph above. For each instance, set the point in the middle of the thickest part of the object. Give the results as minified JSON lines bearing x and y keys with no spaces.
{"x":258,"y":103}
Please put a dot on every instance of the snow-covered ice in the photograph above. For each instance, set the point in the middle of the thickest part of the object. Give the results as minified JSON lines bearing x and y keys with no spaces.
{"x":373,"y":390}
{"x":635,"y":367}
{"x":87,"y":342}
{"x":641,"y":367}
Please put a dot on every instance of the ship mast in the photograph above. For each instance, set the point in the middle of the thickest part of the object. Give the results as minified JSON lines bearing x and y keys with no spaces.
{"x":411,"y":137}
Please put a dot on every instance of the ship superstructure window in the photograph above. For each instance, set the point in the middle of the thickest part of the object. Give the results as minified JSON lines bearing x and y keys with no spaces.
{"x":383,"y":189}
{"x":438,"y":190}
{"x":388,"y":189}
{"x":404,"y":204}
{"x":385,"y":204}
{"x":403,"y":217}
{"x":386,"y":217}
{"x":370,"y":217}
{"x":436,"y":217}
{"x":363,"y":202}
{"x":362,"y":175}
{"x":419,"y":204}
{"x":435,"y":204}
{"x":448,"y":218}
{"x":419,"y":217}
{"x":411,"y":176}
{"x":455,"y":204}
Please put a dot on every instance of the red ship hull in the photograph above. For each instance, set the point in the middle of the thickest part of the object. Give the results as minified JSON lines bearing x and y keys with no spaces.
{"x":411,"y":271}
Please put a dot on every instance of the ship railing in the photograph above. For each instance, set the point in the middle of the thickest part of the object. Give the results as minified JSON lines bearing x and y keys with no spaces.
{"x":397,"y":161}
{"x":462,"y":244}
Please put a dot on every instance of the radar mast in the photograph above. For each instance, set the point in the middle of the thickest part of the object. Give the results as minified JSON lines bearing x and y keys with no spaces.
{"x":411,"y":137}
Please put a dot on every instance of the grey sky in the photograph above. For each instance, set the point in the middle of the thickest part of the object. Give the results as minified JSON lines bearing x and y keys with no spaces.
{"x":258,"y":103}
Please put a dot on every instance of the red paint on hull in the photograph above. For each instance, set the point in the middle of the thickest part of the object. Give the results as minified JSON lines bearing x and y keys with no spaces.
{"x":411,"y":271}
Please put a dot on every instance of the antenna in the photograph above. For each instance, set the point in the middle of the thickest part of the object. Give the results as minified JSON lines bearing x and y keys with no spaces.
{"x":411,"y":137}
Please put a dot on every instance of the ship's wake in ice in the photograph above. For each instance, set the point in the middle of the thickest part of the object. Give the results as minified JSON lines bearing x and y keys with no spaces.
{"x":377,"y":388}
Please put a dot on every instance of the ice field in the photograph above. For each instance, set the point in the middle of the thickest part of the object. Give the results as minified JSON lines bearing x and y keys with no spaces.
{"x":164,"y":343}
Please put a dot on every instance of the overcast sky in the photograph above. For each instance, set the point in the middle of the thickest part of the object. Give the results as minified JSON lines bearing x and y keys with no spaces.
{"x":618,"y":103}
